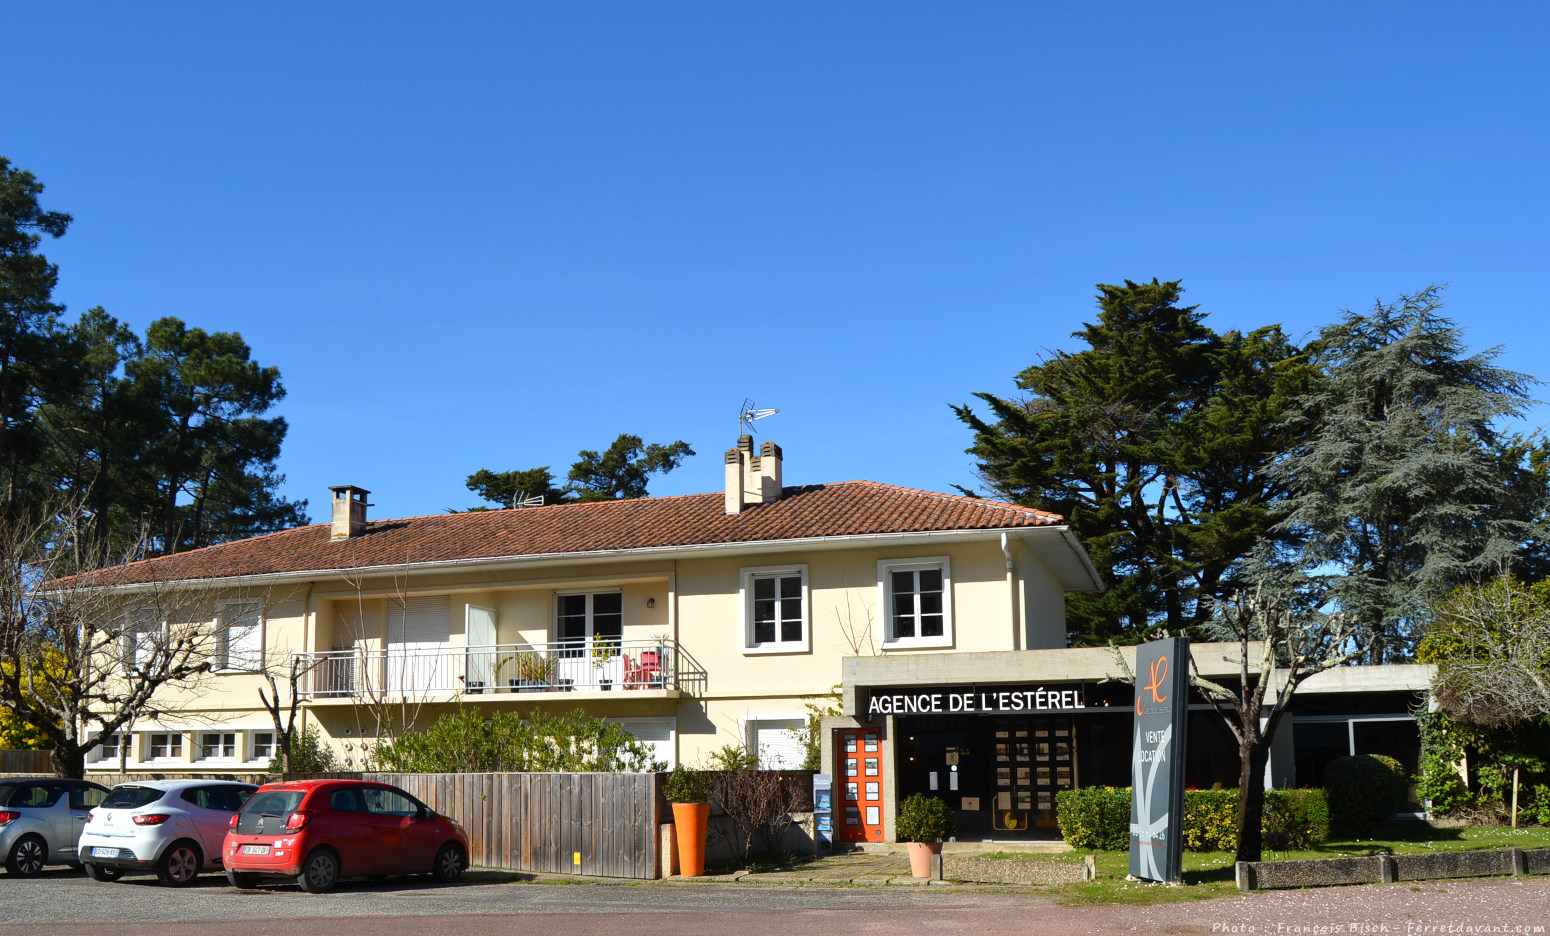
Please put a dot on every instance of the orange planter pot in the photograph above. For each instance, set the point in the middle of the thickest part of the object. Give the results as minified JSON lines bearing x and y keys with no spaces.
{"x":920,"y":857}
{"x":689,"y":820}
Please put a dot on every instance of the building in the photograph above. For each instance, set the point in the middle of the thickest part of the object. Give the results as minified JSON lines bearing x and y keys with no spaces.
{"x":695,"y":621}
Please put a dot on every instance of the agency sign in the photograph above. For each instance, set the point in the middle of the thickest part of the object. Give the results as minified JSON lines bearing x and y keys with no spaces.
{"x":1157,"y":761}
{"x":975,"y":700}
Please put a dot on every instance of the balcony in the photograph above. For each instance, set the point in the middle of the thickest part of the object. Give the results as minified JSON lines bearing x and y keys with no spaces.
{"x":500,"y":669}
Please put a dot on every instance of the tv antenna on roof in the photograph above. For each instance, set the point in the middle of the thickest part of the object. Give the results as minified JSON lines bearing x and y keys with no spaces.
{"x":537,"y":500}
{"x":749,"y":413}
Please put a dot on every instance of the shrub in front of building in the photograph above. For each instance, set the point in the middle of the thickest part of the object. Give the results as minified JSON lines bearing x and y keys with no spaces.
{"x":1094,"y":817}
{"x":1364,"y":791}
{"x":924,"y":818}
{"x":1099,"y":817}
{"x":1210,"y":820}
{"x":310,"y":754}
{"x":1296,"y":818}
{"x":687,"y":785}
{"x":466,"y":741}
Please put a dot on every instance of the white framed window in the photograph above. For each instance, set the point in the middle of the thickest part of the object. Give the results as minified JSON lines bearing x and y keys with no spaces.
{"x":779,"y":741}
{"x":655,"y":733}
{"x":217,"y":745}
{"x":239,"y":637}
{"x":775,"y":609}
{"x":142,"y":635}
{"x":262,"y":744}
{"x":107,"y":748}
{"x":917,"y":600}
{"x":165,"y":745}
{"x":584,"y":620}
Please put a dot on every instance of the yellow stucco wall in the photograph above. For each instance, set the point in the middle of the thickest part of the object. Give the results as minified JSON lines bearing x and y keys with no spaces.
{"x":697,"y":601}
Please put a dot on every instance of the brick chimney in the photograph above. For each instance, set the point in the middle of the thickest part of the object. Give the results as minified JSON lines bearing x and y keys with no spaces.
{"x":752,"y":479}
{"x":349,"y":512}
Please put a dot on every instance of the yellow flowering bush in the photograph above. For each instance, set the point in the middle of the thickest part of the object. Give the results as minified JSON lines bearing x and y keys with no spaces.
{"x":1099,"y":817}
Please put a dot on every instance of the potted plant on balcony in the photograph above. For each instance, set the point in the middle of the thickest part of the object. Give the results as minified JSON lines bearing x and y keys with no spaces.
{"x":924,"y":822}
{"x":689,"y":792}
{"x":532,"y":672}
{"x":604,"y":650}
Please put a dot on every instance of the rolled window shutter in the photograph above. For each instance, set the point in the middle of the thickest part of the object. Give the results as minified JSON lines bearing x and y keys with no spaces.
{"x":420,"y":620}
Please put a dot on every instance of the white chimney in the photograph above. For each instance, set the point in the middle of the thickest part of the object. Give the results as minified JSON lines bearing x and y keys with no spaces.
{"x":734,"y":486}
{"x":769,"y":472}
{"x":349,"y":512}
{"x":752,"y":479}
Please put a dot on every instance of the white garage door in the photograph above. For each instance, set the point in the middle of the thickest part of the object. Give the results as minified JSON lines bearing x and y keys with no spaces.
{"x":778,"y":742}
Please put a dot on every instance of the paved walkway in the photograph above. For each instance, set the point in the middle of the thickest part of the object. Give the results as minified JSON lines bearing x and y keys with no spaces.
{"x":863,"y":868}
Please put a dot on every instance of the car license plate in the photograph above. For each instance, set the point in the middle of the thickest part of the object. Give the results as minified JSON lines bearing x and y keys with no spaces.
{"x":255,"y":849}
{"x":104,"y":853}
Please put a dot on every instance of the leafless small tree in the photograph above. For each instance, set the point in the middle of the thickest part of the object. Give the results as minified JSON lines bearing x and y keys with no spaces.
{"x":1293,"y":649}
{"x":87,"y":648}
{"x":1492,"y":646}
{"x":382,"y":708}
{"x":285,"y":708}
{"x":859,"y":637}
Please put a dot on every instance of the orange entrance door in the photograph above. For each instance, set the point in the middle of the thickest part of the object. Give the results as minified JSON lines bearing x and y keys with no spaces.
{"x":858,"y":814}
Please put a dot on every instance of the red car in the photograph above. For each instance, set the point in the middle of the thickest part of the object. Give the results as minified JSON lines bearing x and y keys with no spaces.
{"x":316,"y":831}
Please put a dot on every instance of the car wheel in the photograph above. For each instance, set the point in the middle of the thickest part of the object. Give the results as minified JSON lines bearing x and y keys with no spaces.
{"x":450,"y":863}
{"x":242,"y":881}
{"x":179,"y":865}
{"x":99,"y":872}
{"x":27,"y":856}
{"x":320,"y":872}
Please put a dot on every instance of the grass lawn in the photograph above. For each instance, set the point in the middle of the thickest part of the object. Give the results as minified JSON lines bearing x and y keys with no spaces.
{"x":1210,"y":874}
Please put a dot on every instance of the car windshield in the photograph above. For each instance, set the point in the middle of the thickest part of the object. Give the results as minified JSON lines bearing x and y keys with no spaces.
{"x":273,"y":802}
{"x":131,"y":797}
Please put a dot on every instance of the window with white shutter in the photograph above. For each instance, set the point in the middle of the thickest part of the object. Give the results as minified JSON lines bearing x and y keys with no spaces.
{"x":239,"y":637}
{"x":419,"y":631}
{"x":778,"y":742}
{"x":140,"y":638}
{"x":655,"y":733}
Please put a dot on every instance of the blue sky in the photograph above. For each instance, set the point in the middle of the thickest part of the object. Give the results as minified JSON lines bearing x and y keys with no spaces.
{"x":486,"y":236}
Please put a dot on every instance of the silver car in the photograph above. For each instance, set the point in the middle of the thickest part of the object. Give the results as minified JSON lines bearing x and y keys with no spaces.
{"x":41,"y":819}
{"x":172,"y":828}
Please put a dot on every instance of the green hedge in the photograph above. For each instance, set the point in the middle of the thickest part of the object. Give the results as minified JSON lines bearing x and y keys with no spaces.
{"x":1094,"y":817}
{"x":1369,"y":788}
{"x":1099,"y":817}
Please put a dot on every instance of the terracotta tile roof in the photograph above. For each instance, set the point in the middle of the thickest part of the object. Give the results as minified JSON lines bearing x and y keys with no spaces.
{"x":845,"y":509}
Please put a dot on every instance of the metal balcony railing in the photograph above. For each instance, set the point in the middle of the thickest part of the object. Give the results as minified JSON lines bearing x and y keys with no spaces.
{"x":565,"y":666}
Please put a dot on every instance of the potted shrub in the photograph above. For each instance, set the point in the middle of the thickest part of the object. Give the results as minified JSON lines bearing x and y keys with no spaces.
{"x":604,"y":652}
{"x":533,"y":672}
{"x":689,"y":792}
{"x":924,"y":821}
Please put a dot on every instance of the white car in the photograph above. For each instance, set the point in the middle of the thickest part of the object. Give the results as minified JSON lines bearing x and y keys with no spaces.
{"x":173,"y":828}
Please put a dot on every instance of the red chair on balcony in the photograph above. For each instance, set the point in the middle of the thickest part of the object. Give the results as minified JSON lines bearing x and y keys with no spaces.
{"x":645,"y":674}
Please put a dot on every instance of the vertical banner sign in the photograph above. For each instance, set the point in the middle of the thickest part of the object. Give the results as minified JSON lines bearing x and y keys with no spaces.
{"x":1157,"y":760}
{"x":823,"y":814}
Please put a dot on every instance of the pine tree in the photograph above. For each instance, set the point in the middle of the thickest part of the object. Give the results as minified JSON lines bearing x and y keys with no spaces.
{"x":33,"y":362}
{"x":1152,"y":442}
{"x":1402,"y":486}
{"x":619,"y":473}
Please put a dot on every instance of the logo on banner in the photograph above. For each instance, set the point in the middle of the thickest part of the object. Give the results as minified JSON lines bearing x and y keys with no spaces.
{"x":1159,"y":673}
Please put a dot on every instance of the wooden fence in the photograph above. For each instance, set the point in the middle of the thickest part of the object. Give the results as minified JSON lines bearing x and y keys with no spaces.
{"x":602,"y":824}
{"x":24,"y":762}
